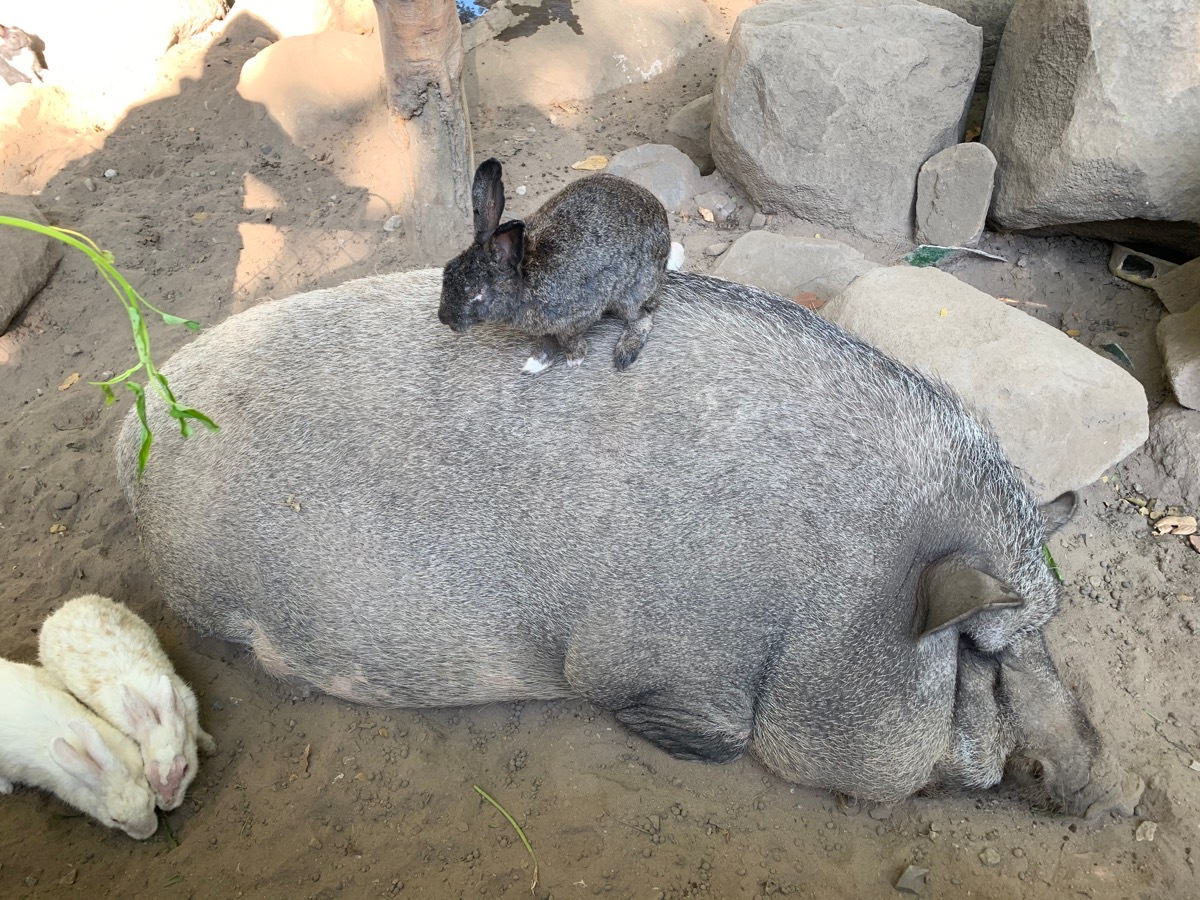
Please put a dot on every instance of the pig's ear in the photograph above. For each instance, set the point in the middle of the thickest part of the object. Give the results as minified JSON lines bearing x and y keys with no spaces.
{"x":1058,"y":511}
{"x":951,"y":592}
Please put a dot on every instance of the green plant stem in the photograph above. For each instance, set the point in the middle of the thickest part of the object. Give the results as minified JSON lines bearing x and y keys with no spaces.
{"x":133,"y":303}
{"x":521,"y":834}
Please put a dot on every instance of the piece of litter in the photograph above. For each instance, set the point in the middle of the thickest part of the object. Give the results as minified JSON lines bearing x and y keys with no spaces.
{"x":706,"y":214}
{"x":809,"y":300}
{"x":943,"y":312}
{"x":591,"y":164}
{"x":1145,"y":831}
{"x":71,"y":379}
{"x":1072,"y":332}
{"x":932,"y":254}
{"x":1195,"y":766}
{"x":1121,"y":356}
{"x":1175,"y":525}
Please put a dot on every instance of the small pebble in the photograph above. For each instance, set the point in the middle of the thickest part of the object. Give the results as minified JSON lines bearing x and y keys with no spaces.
{"x":989,"y":857}
{"x":521,"y":189}
{"x":912,"y":880}
{"x":89,"y":184}
{"x":110,"y":173}
{"x":758,"y":220}
{"x":65,"y":499}
{"x":394,"y":223}
{"x":715,"y":250}
{"x":1018,"y":852}
{"x":1145,"y":831}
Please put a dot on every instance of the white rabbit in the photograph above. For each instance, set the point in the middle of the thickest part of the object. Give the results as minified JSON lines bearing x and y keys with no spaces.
{"x":48,"y":739}
{"x":111,"y":659}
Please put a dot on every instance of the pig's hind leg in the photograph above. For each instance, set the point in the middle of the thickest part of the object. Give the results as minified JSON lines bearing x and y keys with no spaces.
{"x":698,"y":731}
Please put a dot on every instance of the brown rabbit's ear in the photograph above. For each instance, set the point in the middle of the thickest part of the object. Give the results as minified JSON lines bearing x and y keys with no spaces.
{"x":508,"y":244}
{"x":487,"y":199}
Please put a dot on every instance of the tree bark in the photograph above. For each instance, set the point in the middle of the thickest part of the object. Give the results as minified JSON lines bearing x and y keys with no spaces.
{"x":423,"y":63}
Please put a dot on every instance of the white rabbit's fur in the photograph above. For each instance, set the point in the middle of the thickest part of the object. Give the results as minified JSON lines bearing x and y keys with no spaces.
{"x":111,"y":659}
{"x":48,"y":739}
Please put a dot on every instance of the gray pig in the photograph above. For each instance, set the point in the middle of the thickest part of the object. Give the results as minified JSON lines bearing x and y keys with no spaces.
{"x":774,"y":538}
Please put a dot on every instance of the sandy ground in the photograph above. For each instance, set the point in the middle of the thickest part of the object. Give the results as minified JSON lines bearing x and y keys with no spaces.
{"x":312,"y":797}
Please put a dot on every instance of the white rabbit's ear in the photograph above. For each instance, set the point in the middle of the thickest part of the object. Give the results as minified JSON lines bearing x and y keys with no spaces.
{"x":508,"y":244}
{"x":94,"y":744}
{"x":138,"y":708}
{"x":487,"y":199}
{"x":168,"y":700}
{"x":76,"y":764}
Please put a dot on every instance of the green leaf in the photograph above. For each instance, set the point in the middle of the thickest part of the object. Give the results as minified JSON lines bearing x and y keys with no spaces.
{"x":1051,"y":563}
{"x":147,"y":437}
{"x":179,"y":320}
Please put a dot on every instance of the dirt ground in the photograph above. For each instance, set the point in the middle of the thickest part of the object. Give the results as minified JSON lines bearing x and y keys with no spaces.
{"x":313,"y":797}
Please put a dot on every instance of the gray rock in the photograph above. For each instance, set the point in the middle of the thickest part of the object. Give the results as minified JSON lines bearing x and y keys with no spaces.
{"x":479,"y":31}
{"x":954,"y":191}
{"x":596,"y":47}
{"x":758,"y":220}
{"x":64,"y":500}
{"x":715,"y":250}
{"x":307,"y":87}
{"x":1089,"y":128}
{"x":810,"y":117}
{"x":791,"y":265}
{"x":663,"y":170}
{"x":991,"y":16}
{"x":1174,"y":446}
{"x":912,"y":880}
{"x":138,"y":33}
{"x":27,"y":260}
{"x":718,"y":203}
{"x":1179,"y":341}
{"x":688,"y":129}
{"x":1063,"y":413}
{"x":1179,"y":289}
{"x":989,"y":857}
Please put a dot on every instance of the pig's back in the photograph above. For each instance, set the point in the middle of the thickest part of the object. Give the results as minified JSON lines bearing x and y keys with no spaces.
{"x":395,"y":514}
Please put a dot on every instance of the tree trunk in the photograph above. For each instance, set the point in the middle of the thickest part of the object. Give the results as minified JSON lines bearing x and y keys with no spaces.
{"x":423,"y":62}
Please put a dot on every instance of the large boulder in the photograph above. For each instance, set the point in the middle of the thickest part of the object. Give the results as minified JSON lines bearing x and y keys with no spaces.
{"x":1093,"y":114}
{"x":108,"y":56}
{"x":581,"y":49}
{"x":1063,"y":413}
{"x":826,"y":109}
{"x":990,"y":15}
{"x":1175,"y":449}
{"x":1179,"y":289}
{"x":27,"y":259}
{"x":291,"y":18}
{"x":316,"y":84}
{"x":789,"y":266}
{"x":1179,"y":341}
